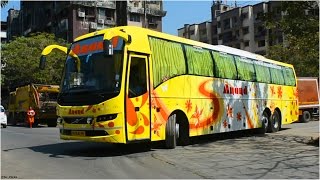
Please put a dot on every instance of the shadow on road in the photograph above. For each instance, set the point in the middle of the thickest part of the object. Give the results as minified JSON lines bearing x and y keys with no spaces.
{"x":24,"y":125}
{"x":89,"y":149}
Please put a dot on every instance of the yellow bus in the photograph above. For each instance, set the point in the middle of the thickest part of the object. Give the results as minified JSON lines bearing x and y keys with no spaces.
{"x":130,"y":84}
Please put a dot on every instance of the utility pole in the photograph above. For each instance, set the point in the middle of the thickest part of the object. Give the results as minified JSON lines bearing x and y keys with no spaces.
{"x":145,"y":13}
{"x":121,"y":10}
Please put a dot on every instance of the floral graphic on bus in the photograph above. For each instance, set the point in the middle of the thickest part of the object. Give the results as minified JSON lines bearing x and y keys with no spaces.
{"x":229,"y":111}
{"x":279,"y":92}
{"x":273,"y":92}
{"x":188,"y":105}
{"x":239,"y":116}
{"x":197,"y":115}
{"x":225,"y":124}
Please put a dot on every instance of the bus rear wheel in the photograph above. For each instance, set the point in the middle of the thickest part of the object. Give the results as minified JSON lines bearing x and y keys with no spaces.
{"x":172,"y":132}
{"x":265,"y":123}
{"x":275,"y":122}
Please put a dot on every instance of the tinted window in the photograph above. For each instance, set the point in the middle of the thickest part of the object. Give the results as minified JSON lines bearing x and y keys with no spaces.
{"x":225,"y":66}
{"x":245,"y":69}
{"x":199,"y":61}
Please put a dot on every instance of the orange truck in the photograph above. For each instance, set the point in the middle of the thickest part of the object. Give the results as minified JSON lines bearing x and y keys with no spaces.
{"x":308,"y":95}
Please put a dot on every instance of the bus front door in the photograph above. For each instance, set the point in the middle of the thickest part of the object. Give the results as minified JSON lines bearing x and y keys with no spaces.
{"x":137,"y":99}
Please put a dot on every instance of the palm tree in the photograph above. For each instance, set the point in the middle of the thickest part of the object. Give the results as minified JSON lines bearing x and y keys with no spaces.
{"x":4,"y":3}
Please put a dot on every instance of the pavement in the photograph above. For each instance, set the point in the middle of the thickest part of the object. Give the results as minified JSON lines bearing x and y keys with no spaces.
{"x":307,"y":133}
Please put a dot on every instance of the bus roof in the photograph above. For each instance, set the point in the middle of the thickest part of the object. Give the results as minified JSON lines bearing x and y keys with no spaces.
{"x":143,"y":33}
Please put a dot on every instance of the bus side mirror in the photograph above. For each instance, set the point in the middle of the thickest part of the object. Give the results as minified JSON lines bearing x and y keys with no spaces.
{"x":107,"y":48}
{"x":42,"y":64}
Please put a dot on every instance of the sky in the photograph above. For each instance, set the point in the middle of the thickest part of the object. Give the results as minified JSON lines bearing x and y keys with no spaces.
{"x":178,"y":12}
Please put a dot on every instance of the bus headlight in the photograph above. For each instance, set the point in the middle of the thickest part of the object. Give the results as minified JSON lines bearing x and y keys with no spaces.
{"x":89,"y":120}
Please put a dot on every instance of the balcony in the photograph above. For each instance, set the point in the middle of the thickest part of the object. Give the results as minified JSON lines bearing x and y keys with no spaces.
{"x":136,"y":10}
{"x":106,"y":4}
{"x":156,"y":12}
{"x":103,"y":4}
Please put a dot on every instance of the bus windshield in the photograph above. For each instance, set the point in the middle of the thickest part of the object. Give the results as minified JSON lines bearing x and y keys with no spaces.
{"x":98,"y":73}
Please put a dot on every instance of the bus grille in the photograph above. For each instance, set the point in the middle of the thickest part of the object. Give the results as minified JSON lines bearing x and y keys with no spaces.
{"x":76,"y":120}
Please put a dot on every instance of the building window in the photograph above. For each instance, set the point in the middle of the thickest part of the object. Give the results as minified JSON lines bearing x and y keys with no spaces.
{"x":219,"y":24}
{"x":135,"y":17}
{"x":237,"y":33}
{"x":214,"y":30}
{"x":235,"y":20}
{"x":259,"y":15}
{"x":192,"y":32}
{"x":203,"y":31}
{"x":244,"y":15}
{"x":246,"y":43}
{"x":226,"y":24}
{"x":245,"y":30}
{"x":217,"y":13}
{"x":261,"y":43}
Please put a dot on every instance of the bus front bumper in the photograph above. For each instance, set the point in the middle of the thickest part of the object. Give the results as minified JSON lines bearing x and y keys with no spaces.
{"x":91,"y":135}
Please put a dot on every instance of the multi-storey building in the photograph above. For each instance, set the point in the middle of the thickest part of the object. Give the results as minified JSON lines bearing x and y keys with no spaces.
{"x":199,"y":32}
{"x":70,"y":19}
{"x":244,"y":28}
{"x":240,"y":27}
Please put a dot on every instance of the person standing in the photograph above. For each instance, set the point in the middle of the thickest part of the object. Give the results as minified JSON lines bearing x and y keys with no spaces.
{"x":30,"y":118}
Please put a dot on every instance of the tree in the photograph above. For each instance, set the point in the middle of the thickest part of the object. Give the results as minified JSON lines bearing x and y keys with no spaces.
{"x":300,"y":26}
{"x":4,"y":3}
{"x":20,"y":60}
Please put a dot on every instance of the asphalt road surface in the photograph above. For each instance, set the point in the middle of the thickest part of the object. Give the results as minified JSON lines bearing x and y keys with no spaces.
{"x":39,"y":153}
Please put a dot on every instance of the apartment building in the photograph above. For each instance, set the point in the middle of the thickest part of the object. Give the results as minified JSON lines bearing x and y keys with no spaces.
{"x":199,"y":32}
{"x":70,"y":19}
{"x":239,"y":27}
{"x":244,"y":28}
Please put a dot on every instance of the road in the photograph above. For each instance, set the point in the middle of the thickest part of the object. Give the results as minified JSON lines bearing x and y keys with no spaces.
{"x":39,"y":153}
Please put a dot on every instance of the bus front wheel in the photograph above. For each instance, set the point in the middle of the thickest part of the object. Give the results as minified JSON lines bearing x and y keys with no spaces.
{"x":172,"y":132}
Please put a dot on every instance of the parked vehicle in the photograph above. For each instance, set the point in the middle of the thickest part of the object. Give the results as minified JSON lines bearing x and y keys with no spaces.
{"x":3,"y":117}
{"x":42,"y":99}
{"x":308,"y":95}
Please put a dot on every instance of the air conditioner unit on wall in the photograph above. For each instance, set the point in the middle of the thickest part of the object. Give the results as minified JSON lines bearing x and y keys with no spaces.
{"x":93,"y":25}
{"x":101,"y":21}
{"x":81,"y":14}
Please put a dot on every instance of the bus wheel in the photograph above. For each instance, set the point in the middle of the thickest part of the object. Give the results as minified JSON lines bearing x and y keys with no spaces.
{"x":172,"y":132}
{"x":183,"y":128}
{"x":275,"y":122}
{"x":306,"y":117}
{"x":265,"y":123}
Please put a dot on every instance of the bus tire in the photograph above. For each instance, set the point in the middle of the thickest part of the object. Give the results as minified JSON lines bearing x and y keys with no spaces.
{"x":306,"y":117}
{"x":171,"y":133}
{"x":265,"y":123}
{"x":183,"y":139}
{"x":275,"y":122}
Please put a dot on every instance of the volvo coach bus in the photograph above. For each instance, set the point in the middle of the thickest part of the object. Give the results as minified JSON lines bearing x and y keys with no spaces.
{"x":129,"y":84}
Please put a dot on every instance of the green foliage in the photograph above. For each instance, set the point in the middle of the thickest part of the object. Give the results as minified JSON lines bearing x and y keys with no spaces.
{"x":301,"y":30}
{"x":4,"y":3}
{"x":22,"y":57}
